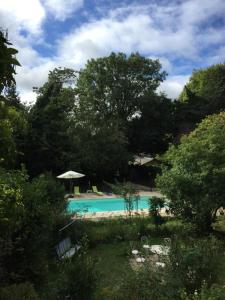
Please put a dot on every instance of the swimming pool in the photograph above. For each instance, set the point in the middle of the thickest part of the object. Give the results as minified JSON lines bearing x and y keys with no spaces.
{"x":103,"y":204}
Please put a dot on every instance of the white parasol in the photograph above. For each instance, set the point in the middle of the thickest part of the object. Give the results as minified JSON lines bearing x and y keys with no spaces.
{"x":70,"y":175}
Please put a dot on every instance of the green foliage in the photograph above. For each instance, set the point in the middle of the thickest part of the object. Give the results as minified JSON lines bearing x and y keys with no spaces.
{"x":144,"y":284}
{"x":100,"y":149}
{"x":20,"y":291}
{"x":29,"y":214}
{"x":194,"y":262}
{"x":203,"y":95}
{"x":207,"y":83}
{"x":151,"y":130}
{"x":111,"y":265}
{"x":148,"y":283}
{"x":155,"y":205}
{"x":86,"y":120}
{"x":193,"y":175}
{"x":8,"y":152}
{"x":76,"y":279}
{"x":190,"y":274}
{"x":214,"y":293}
{"x":130,"y":195}
{"x":12,"y":132}
{"x":11,"y":97}
{"x":7,"y":63}
{"x":110,"y":91}
{"x":121,"y":229}
{"x":113,"y":86}
{"x":48,"y":142}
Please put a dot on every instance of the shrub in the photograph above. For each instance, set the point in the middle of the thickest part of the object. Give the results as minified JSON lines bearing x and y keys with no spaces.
{"x":214,"y":293}
{"x":147,"y":283}
{"x":76,"y":279}
{"x":190,"y":273}
{"x":193,"y":173}
{"x":20,"y":291}
{"x":29,"y":214}
{"x":155,"y":204}
{"x":194,"y":261}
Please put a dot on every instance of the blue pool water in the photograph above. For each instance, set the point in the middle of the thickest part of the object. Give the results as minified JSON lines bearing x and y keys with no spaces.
{"x":102,"y":204}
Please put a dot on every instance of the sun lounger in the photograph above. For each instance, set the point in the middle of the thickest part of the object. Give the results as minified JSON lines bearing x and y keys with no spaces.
{"x":95,"y":190}
{"x":77,"y":191}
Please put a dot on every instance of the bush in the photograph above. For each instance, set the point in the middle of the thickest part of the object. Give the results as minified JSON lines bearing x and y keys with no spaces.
{"x":110,"y":231}
{"x":29,"y":214}
{"x":155,"y":205}
{"x":76,"y":279}
{"x":190,"y":274}
{"x":20,"y":291}
{"x":114,"y":230}
{"x":214,"y":293}
{"x":193,"y":262}
{"x":147,"y":283}
{"x":193,"y":173}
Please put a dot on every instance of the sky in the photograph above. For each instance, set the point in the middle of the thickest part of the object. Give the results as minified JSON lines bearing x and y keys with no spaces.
{"x":183,"y":34}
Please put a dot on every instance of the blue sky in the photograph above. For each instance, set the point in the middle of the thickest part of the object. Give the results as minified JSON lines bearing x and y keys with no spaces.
{"x":184,"y":35}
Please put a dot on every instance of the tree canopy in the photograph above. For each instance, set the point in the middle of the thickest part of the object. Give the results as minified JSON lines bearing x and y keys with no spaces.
{"x":209,"y":84}
{"x":203,"y":95}
{"x":113,"y":86}
{"x":194,"y":173}
{"x":48,"y":139}
{"x":152,"y":129}
{"x":7,"y":63}
{"x":94,"y":121}
{"x":110,"y":92}
{"x":82,"y":120}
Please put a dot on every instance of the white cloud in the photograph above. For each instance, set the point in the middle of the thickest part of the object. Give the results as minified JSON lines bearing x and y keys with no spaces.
{"x":165,"y":62}
{"x":28,"y":98}
{"x":194,"y":12}
{"x":179,"y":31}
{"x":22,"y":14}
{"x":62,"y":9}
{"x":157,"y":31}
{"x":218,"y":57}
{"x":133,"y":33}
{"x":174,"y":85}
{"x":152,"y":30}
{"x":28,"y":77}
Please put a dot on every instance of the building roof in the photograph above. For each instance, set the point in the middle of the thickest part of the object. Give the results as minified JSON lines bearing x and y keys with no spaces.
{"x":142,"y":160}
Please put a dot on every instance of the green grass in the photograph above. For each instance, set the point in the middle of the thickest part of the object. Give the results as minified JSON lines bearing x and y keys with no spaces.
{"x":112,"y":264}
{"x":110,"y":247}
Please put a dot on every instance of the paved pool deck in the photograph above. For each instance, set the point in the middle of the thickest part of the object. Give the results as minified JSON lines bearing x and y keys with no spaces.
{"x":112,"y":214}
{"x":111,"y":195}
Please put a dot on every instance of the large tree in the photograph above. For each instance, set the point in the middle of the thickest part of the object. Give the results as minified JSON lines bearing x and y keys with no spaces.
{"x":12,"y":112}
{"x":99,"y":150}
{"x":203,"y":95}
{"x":151,"y":130}
{"x":86,"y":125}
{"x":194,"y":173}
{"x":12,"y":132}
{"x":7,"y":62}
{"x":209,"y":84}
{"x":48,"y":142}
{"x":113,"y":86}
{"x":110,"y":92}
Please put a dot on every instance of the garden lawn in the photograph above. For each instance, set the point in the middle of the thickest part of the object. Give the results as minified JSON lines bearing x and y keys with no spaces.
{"x":112,"y":264}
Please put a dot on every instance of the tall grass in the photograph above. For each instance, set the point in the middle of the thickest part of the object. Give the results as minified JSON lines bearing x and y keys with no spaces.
{"x":110,"y":231}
